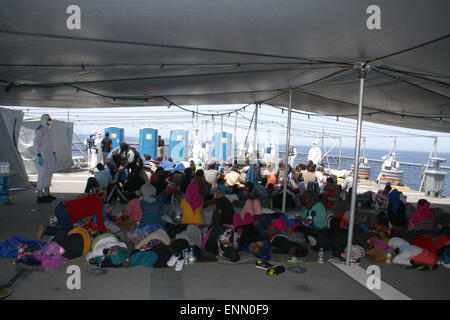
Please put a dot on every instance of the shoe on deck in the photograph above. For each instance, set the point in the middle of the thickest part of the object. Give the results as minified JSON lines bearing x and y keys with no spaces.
{"x":180,"y":264}
{"x":173,"y":260}
{"x":49,"y":196}
{"x":294,"y":260}
{"x":43,"y":200}
{"x":261,"y":264}
{"x":275,"y":270}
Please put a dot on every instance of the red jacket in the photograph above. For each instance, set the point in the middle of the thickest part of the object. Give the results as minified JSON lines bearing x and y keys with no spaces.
{"x":86,"y":207}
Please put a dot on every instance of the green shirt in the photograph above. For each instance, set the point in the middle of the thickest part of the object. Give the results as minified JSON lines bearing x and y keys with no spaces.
{"x":321,"y":215}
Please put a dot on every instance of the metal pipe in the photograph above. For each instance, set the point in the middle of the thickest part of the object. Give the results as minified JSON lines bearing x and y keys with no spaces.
{"x":288,"y":141}
{"x":212,"y":140}
{"x":362,"y":76}
{"x":221,"y":140}
{"x":234,"y":138}
{"x":364,"y":148}
{"x":255,"y":157}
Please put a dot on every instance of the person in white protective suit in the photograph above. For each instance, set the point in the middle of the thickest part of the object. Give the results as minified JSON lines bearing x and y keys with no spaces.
{"x":252,"y":152}
{"x":46,"y":156}
{"x":315,"y":154}
{"x":197,"y":151}
{"x":92,"y":150}
{"x":241,"y":150}
{"x":270,"y":153}
{"x":292,"y":156}
{"x":267,"y":152}
{"x":98,"y":146}
{"x":204,"y":152}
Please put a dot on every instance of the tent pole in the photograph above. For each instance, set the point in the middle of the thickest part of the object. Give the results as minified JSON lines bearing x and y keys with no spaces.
{"x":221,"y":140}
{"x":255,"y":155}
{"x":205,"y":139}
{"x":212,"y":140}
{"x":234,"y":140}
{"x":288,"y":138}
{"x":362,"y":69}
{"x":340,"y":153}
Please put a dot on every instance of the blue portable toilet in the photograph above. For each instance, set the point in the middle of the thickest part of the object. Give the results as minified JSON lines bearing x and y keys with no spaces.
{"x":179,"y":144}
{"x":116,"y":134}
{"x":148,"y":142}
{"x":222,"y":140}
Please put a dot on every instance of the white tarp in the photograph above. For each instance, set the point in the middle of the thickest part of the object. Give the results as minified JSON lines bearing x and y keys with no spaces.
{"x":62,"y":140}
{"x":10,"y":121}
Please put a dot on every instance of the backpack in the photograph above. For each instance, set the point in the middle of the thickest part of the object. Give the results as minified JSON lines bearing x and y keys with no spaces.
{"x":227,"y":235}
{"x":221,"y":233}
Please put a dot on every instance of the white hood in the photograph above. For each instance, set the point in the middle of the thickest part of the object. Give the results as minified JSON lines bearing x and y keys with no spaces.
{"x":44,"y":120}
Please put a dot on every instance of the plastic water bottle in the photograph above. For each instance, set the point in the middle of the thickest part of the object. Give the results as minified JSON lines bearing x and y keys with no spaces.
{"x":192,"y":258}
{"x":177,"y":216}
{"x":186,"y":256}
{"x":321,"y":256}
{"x":389,"y":257}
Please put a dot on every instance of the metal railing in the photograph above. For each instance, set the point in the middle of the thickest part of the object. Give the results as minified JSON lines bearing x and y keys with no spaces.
{"x":412,"y":176}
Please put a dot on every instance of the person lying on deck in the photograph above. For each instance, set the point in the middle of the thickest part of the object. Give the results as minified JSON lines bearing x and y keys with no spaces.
{"x":253,"y":239}
{"x":72,"y":211}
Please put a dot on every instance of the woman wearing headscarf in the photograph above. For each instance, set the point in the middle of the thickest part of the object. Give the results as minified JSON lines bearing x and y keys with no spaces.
{"x":422,"y":218}
{"x":192,"y":203}
{"x":396,"y":209}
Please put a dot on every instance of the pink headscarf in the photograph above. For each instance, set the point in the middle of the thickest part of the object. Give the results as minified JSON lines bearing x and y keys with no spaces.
{"x":419,"y":215}
{"x":193,"y":196}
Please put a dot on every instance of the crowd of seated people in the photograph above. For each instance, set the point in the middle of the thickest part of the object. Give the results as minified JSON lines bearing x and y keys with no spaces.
{"x":165,"y":212}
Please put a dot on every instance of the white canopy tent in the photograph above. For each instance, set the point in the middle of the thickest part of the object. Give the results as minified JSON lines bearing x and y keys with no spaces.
{"x":226,"y":52}
{"x":10,"y":123}
{"x":308,"y":55}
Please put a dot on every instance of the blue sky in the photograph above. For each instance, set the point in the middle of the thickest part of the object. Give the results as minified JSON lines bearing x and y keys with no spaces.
{"x":271,"y":123}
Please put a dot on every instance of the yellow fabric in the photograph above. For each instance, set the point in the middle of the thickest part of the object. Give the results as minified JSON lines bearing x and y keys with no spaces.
{"x":189,"y":216}
{"x":86,"y":237}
